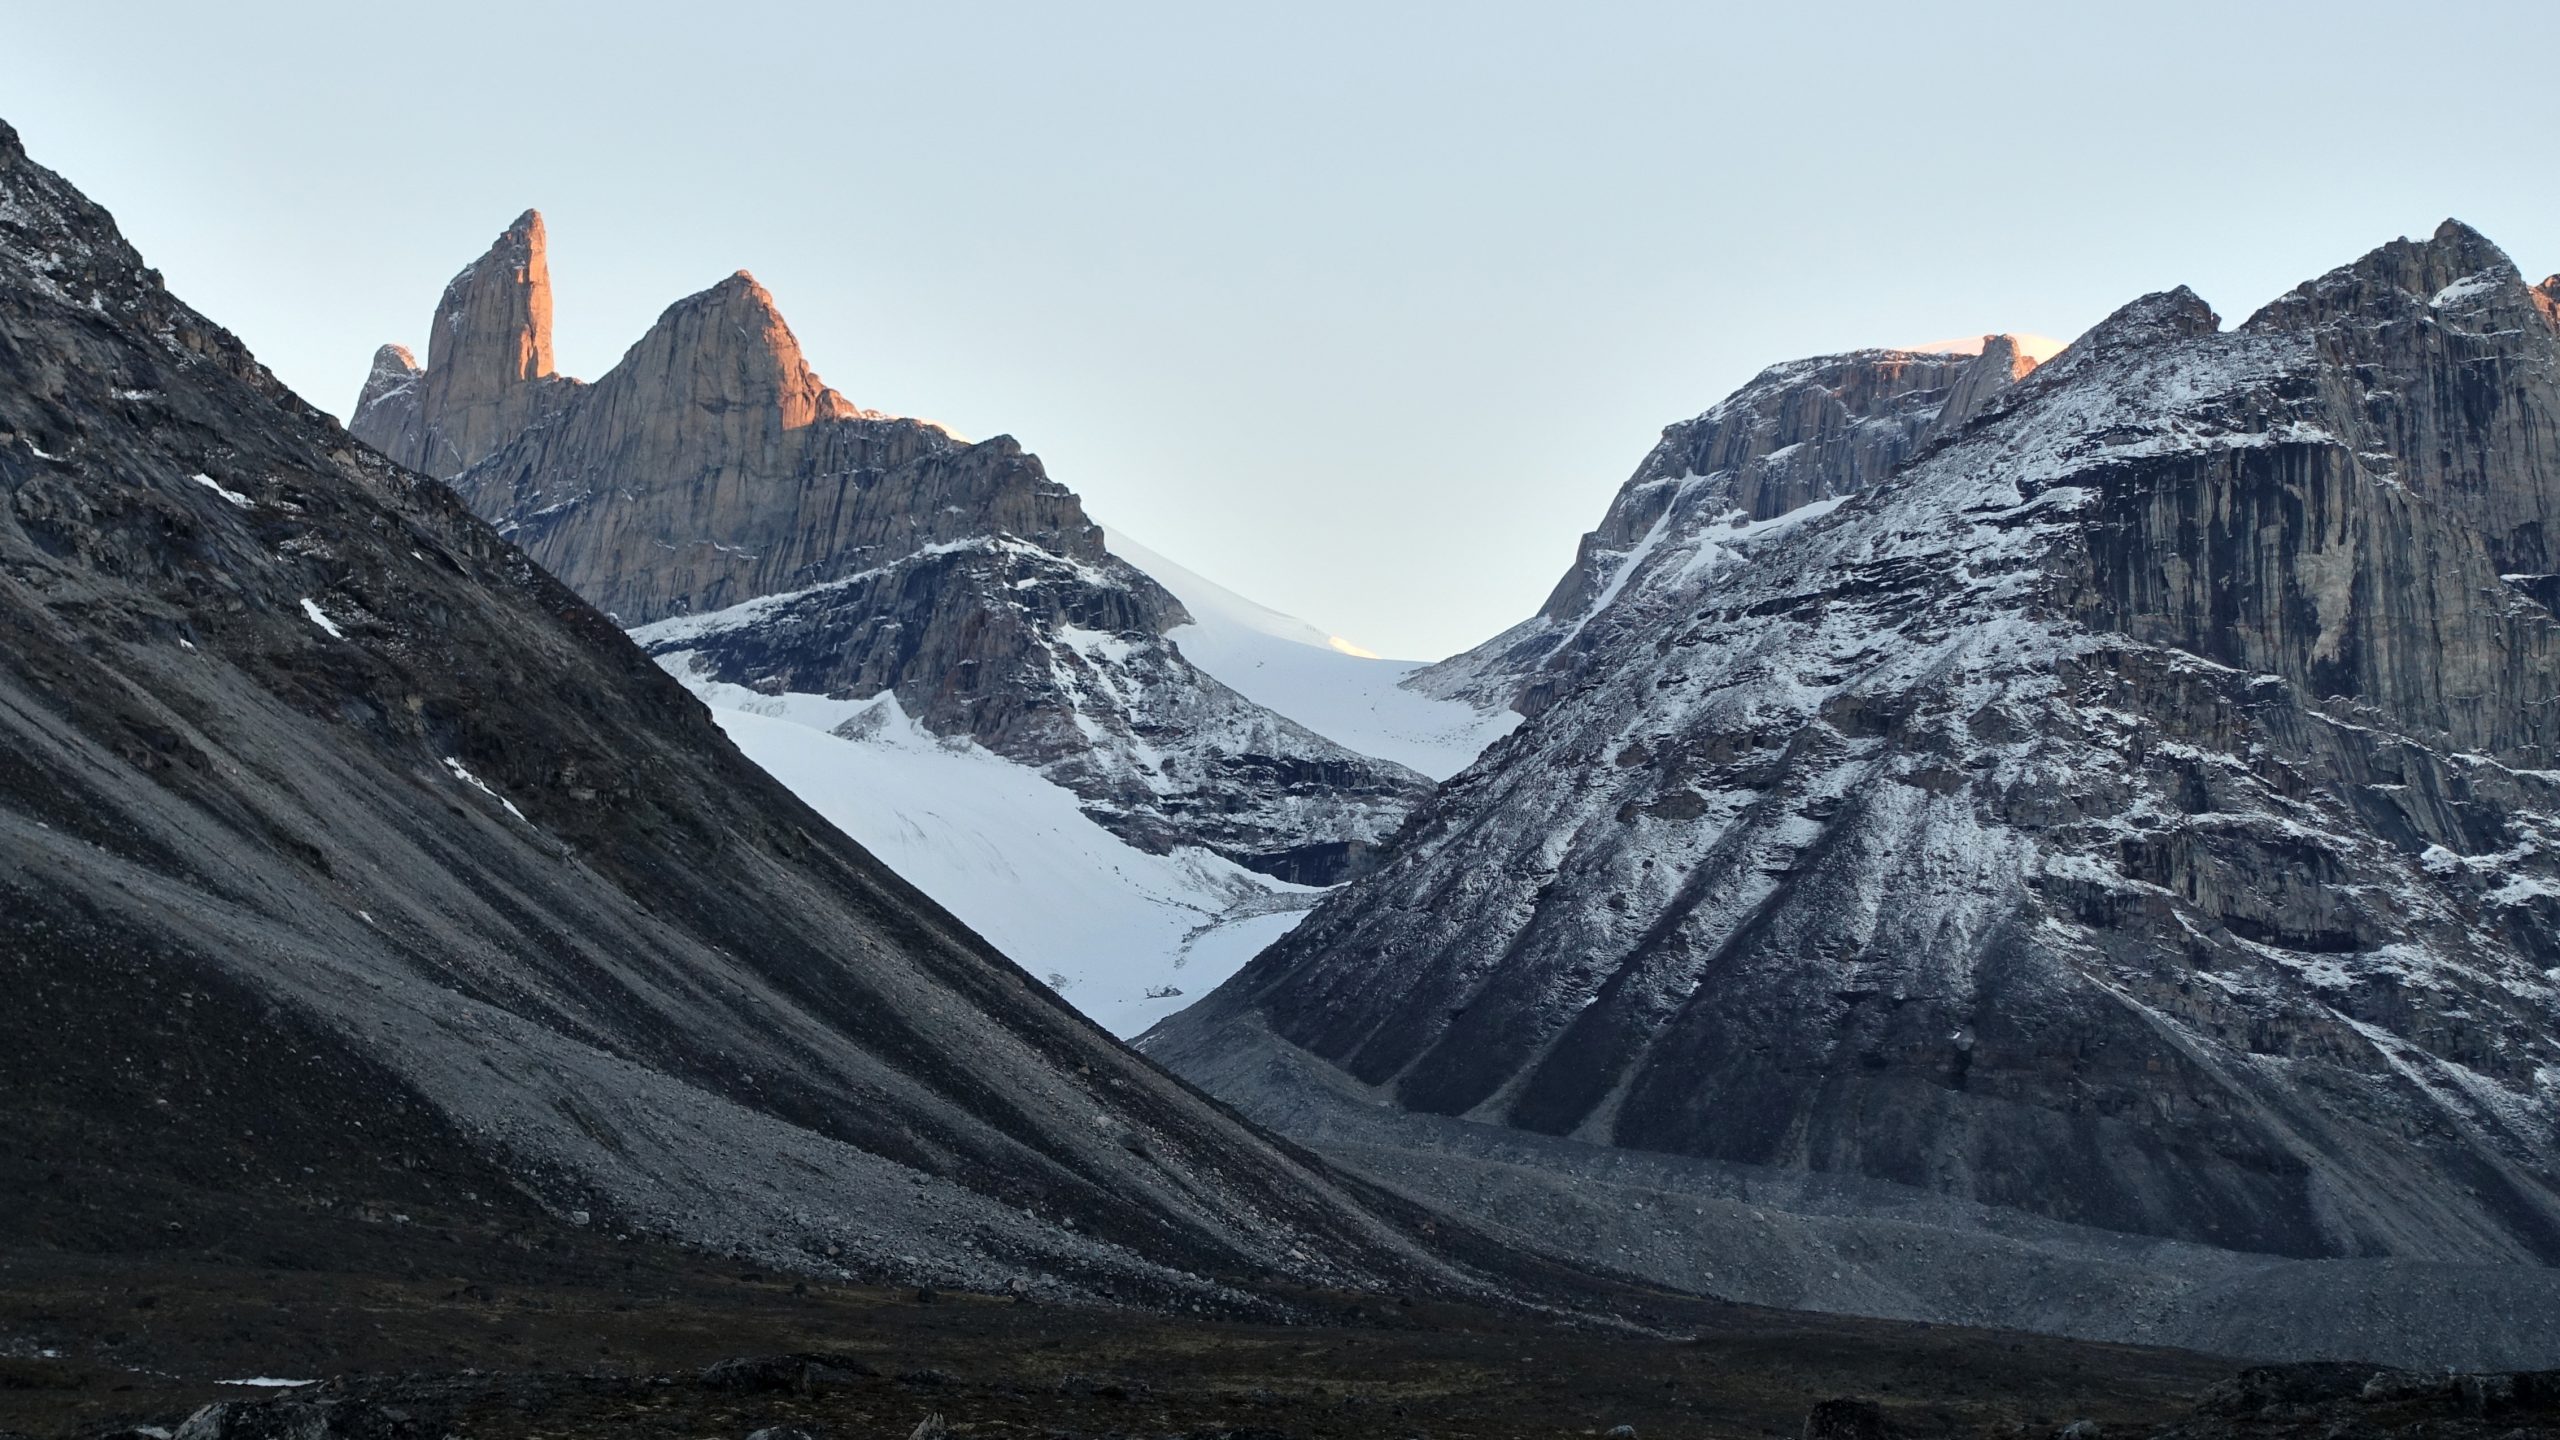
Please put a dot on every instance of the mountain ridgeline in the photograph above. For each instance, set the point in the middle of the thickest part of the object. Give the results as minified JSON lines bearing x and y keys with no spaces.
{"x":2103,"y":809}
{"x":756,"y":528}
{"x":356,"y":873}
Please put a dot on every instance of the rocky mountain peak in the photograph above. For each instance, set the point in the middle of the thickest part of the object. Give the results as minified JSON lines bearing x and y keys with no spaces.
{"x":712,"y":493}
{"x":394,"y":369}
{"x":2001,"y":365}
{"x":2134,"y":812}
{"x":2546,"y":298}
{"x":728,"y":347}
{"x":1800,"y":434}
{"x":2457,"y":270}
{"x":488,"y":373}
{"x":2451,"y":306}
{"x":2154,"y":319}
{"x":493,"y":326}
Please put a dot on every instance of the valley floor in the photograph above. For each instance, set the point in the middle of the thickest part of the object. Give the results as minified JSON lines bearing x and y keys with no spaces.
{"x":90,"y":1341}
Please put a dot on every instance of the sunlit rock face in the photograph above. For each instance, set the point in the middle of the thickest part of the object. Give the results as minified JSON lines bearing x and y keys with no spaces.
{"x":755,"y":527}
{"x":488,"y":374}
{"x":2124,"y":792}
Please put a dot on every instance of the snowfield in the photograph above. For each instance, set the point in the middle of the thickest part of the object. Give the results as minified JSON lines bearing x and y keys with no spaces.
{"x":1126,"y":937}
{"x":1284,"y":664}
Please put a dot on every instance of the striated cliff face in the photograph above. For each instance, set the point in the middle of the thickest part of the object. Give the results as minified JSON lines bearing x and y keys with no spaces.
{"x":488,"y":374}
{"x":2132,"y":802}
{"x":711,"y":466}
{"x":757,"y":529}
{"x":1798,"y":434}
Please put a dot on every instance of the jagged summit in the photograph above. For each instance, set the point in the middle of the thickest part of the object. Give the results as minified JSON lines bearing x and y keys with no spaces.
{"x":728,"y":348}
{"x":394,"y":369}
{"x":489,"y":368}
{"x":2002,"y":363}
{"x":493,"y":323}
{"x":1802,"y":433}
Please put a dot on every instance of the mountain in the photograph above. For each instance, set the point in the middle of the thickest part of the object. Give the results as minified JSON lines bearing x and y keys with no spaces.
{"x":355,"y":873}
{"x":1798,"y":435}
{"x":2077,"y":840}
{"x":711,"y":493}
{"x":969,"y":677}
{"x":488,"y":375}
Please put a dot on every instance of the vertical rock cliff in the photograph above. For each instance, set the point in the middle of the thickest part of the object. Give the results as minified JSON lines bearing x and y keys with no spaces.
{"x":488,"y":374}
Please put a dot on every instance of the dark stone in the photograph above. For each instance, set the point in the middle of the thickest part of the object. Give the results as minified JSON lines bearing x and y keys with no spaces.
{"x":802,"y":1374}
{"x":1845,"y":1419}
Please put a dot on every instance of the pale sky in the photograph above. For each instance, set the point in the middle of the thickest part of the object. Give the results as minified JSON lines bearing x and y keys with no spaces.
{"x":1363,"y":310}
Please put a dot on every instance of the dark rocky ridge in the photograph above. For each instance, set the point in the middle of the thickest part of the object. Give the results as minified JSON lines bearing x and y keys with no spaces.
{"x":711,"y":468}
{"x":349,"y":863}
{"x":2137,"y":812}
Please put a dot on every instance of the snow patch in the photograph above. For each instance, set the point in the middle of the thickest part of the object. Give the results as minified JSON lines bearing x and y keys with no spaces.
{"x":476,"y":783}
{"x":2467,"y":289}
{"x":311,"y":609}
{"x":234,"y":496}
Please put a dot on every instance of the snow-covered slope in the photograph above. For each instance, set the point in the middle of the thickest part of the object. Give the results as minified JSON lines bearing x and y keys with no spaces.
{"x":1799,"y":434}
{"x":1126,"y":936}
{"x":1324,"y":682}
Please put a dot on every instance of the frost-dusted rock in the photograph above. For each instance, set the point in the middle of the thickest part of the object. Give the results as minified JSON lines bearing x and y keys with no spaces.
{"x":290,"y":1417}
{"x":1801,"y":433}
{"x":760,"y":529}
{"x":387,"y":414}
{"x":2137,"y":810}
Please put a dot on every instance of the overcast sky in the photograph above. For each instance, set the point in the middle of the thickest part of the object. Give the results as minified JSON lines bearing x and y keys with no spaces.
{"x":1364,"y":310}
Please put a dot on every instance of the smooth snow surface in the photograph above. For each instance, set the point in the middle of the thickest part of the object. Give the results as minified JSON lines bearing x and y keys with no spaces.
{"x":1124,"y":936}
{"x":1322,"y":681}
